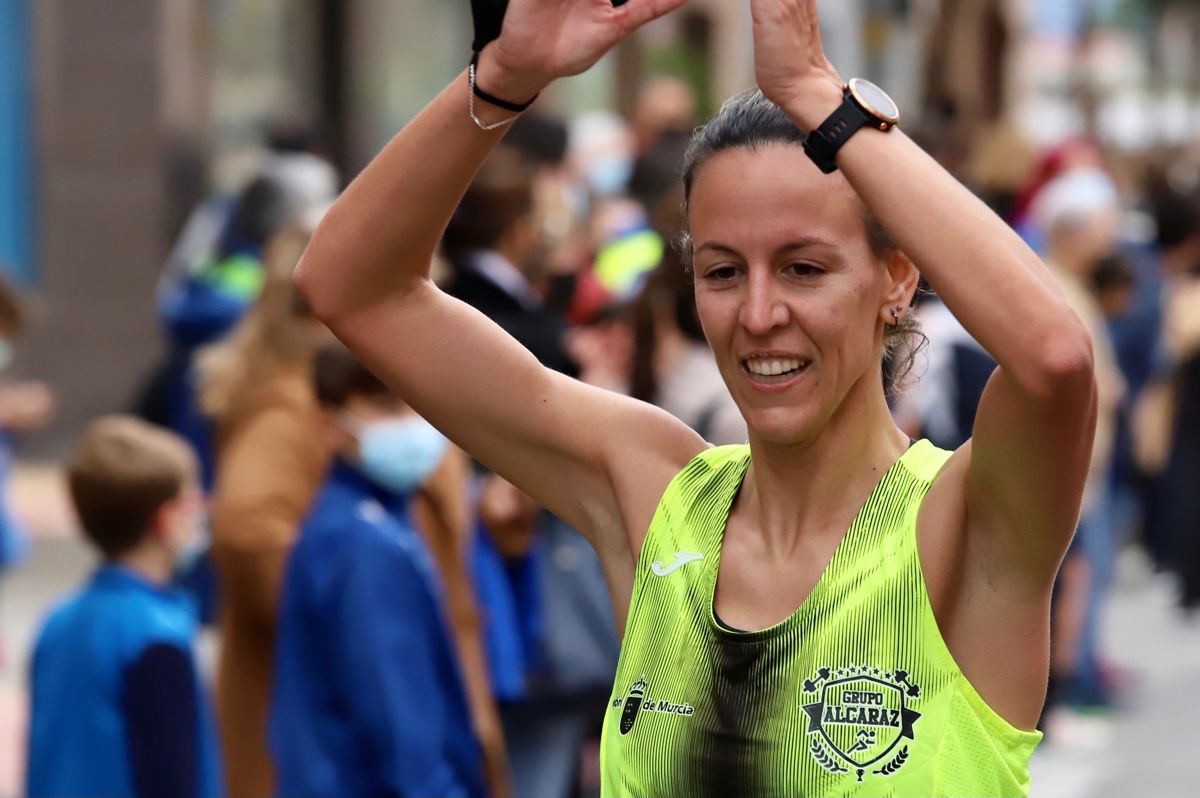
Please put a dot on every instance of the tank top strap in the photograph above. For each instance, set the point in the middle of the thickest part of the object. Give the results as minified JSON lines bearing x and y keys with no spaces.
{"x":924,"y":460}
{"x":717,"y":456}
{"x":692,"y":512}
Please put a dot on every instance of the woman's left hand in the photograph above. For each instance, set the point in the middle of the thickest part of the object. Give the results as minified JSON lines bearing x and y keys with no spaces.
{"x":789,"y":60}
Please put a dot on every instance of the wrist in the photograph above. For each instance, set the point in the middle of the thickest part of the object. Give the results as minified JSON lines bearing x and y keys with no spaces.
{"x":499,"y":79}
{"x":813,"y":102}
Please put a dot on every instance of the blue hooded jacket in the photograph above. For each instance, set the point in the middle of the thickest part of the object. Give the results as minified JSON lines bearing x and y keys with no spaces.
{"x":368,"y":697}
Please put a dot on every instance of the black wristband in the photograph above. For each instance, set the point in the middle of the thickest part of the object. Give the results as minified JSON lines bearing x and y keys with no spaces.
{"x":516,"y":108}
{"x":823,"y":143}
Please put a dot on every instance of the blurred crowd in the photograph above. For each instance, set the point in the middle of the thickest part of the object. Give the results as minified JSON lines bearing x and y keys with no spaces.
{"x":395,"y":620}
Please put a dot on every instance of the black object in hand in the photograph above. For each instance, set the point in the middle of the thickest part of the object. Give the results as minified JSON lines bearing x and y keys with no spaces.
{"x":488,"y":16}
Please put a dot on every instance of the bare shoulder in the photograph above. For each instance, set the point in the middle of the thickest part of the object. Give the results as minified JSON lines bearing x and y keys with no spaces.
{"x":996,"y":633}
{"x":941,"y":532}
{"x":943,"y":512}
{"x":642,"y":448}
{"x":653,"y":447}
{"x":964,"y":558}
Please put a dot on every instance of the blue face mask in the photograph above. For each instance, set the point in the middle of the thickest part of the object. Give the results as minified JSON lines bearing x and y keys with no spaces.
{"x":609,"y":175}
{"x":399,"y":454}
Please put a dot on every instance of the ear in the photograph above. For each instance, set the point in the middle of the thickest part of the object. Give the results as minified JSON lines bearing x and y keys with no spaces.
{"x":902,"y":280}
{"x":333,"y":435}
{"x":160,"y":522}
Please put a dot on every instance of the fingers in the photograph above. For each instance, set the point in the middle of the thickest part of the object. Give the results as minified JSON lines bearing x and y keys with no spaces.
{"x":814,"y":22}
{"x":808,"y":25}
{"x":637,"y":13}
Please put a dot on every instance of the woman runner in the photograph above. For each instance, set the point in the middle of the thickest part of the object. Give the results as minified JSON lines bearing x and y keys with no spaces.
{"x":827,"y":610}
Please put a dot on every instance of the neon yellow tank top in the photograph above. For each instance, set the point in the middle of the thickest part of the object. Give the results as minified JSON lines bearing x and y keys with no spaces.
{"x":855,"y":694}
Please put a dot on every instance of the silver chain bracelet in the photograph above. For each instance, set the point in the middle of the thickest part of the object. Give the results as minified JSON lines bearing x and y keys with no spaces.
{"x":479,"y":123}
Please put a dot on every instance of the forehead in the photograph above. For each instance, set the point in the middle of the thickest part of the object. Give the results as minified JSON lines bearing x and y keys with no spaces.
{"x":376,"y":404}
{"x":772,"y":195}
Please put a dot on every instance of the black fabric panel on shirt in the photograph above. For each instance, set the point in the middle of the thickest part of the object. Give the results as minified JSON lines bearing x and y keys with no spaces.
{"x":160,"y":703}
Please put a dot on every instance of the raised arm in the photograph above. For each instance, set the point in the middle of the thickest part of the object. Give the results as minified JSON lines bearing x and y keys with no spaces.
{"x":1022,"y":476}
{"x":596,"y":459}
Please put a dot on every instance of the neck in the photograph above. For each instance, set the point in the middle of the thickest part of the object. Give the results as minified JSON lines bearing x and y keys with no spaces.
{"x":150,"y":561}
{"x":1181,"y":259}
{"x":814,"y":487}
{"x":510,"y":253}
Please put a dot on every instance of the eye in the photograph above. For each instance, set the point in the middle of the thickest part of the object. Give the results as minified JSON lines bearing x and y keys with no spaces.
{"x":721,"y":274}
{"x":806,"y":270}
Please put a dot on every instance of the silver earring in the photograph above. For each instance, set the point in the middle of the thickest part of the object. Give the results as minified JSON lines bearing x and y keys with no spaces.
{"x":895,"y":315}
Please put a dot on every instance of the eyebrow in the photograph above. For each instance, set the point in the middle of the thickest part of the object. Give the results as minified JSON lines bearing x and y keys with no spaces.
{"x":804,"y":242}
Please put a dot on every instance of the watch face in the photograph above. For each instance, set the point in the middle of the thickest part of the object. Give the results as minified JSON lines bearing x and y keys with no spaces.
{"x":875,"y":100}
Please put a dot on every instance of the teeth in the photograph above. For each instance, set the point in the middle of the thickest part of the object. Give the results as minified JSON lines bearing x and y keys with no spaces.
{"x":771,"y":368}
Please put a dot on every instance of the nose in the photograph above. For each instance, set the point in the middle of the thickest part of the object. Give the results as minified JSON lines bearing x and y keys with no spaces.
{"x":763,"y":309}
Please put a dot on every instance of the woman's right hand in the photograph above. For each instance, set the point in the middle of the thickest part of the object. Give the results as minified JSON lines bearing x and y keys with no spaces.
{"x":789,"y":60}
{"x":542,"y":40}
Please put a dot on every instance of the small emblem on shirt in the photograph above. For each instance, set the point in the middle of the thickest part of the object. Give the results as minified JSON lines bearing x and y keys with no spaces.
{"x":860,"y":719}
{"x":637,"y":701}
{"x":682,"y":558}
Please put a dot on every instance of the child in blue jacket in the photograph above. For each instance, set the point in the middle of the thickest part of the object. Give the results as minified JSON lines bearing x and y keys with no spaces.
{"x":118,"y":709}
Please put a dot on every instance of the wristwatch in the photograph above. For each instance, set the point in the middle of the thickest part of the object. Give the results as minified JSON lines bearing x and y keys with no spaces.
{"x":863,"y":103}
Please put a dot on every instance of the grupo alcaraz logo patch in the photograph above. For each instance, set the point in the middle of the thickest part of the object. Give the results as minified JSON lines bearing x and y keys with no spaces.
{"x":860,"y":719}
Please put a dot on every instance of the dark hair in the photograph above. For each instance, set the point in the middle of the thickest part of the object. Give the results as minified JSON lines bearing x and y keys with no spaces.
{"x":750,"y":121}
{"x":12,"y":308}
{"x":541,"y":139}
{"x":292,"y":136}
{"x":338,"y":375}
{"x":121,"y":473}
{"x":261,"y":210}
{"x":656,"y":173}
{"x":501,"y":194}
{"x":1176,"y":214}
{"x":1112,"y":272}
{"x":667,"y":293}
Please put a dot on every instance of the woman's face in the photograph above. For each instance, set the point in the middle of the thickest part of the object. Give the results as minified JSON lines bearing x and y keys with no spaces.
{"x":790,"y":295}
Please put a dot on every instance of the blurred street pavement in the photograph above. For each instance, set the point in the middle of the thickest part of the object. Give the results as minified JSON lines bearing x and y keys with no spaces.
{"x":1149,"y":748}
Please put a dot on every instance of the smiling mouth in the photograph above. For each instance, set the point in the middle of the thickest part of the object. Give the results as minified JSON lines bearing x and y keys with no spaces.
{"x":774,"y":369}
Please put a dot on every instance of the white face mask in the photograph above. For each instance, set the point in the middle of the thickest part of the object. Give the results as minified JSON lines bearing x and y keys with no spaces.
{"x":196,"y":539}
{"x":197,"y":545}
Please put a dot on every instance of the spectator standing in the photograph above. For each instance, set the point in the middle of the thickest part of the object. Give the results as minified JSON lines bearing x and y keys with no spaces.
{"x":493,"y":244}
{"x":117,"y":706}
{"x":24,"y":405}
{"x":551,"y":637}
{"x":368,"y":698}
{"x":200,"y":307}
{"x":257,"y":389}
{"x":1181,"y":262}
{"x":1079,"y":213}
